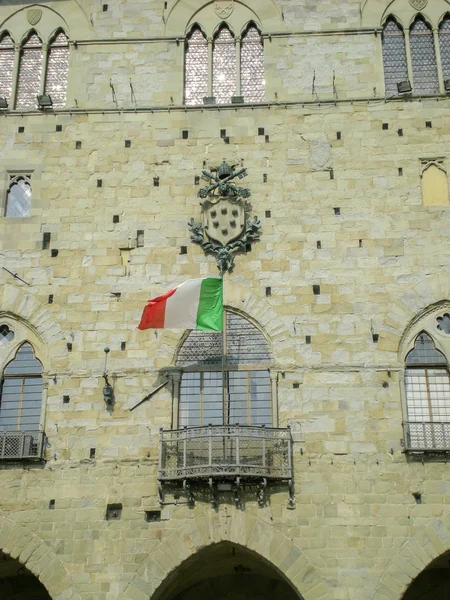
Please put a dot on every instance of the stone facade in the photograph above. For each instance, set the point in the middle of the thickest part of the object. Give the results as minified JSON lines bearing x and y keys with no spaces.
{"x":331,"y":167}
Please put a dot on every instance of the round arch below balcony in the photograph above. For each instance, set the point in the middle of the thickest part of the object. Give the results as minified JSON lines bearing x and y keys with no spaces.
{"x":211,"y":537}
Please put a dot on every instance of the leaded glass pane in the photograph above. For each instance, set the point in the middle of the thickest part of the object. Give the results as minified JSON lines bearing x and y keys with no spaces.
{"x":252,"y":66}
{"x":423,"y":58}
{"x":424,"y":352}
{"x":394,"y":57}
{"x":18,"y":201}
{"x":224,"y":66}
{"x":6,"y":66}
{"x":196,"y":68}
{"x":57,"y":70}
{"x":29,"y":73}
{"x":444,"y":42}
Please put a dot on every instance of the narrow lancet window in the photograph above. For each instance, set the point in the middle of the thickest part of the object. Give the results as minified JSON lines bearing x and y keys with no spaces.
{"x":196,"y":68}
{"x":423,"y":58}
{"x":57,"y":70}
{"x":29,"y":72}
{"x":252,"y":66}
{"x":224,"y":66}
{"x":6,"y":66}
{"x":394,"y":57}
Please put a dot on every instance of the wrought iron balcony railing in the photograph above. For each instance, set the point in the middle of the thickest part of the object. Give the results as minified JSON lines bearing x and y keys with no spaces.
{"x":225,"y":452}
{"x":426,"y":436}
{"x":21,"y":445}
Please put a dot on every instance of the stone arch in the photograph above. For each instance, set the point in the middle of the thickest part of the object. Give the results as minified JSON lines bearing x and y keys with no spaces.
{"x":374,"y":12}
{"x":258,"y":311}
{"x":182,"y":13}
{"x":413,"y":557}
{"x":18,"y":542}
{"x":16,"y":305}
{"x":247,"y":530}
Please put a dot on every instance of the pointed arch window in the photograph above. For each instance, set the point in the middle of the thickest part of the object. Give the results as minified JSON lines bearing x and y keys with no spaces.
{"x":57,"y":70}
{"x":394,"y":56}
{"x":240,"y":393}
{"x":423,"y":58}
{"x":224,"y":66}
{"x":30,"y":68}
{"x":444,"y":44}
{"x":252,"y":66}
{"x":6,"y":66}
{"x":18,"y":199}
{"x":21,"y":392}
{"x":196,"y":67}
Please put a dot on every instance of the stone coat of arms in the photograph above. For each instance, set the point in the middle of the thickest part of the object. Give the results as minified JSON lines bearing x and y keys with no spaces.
{"x":223,"y":8}
{"x":34,"y":16}
{"x":418,"y":4}
{"x":226,"y":226}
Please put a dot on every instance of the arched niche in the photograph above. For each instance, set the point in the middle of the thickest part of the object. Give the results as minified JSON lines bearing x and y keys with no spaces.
{"x":226,"y":570}
{"x":375,"y":12}
{"x":434,"y":185}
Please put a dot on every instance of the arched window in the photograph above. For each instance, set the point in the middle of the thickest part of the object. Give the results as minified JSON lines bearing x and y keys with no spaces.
{"x":423,"y":58}
{"x":21,"y":392}
{"x":234,"y":389}
{"x":394,"y":56}
{"x":6,"y":66}
{"x":444,"y":43}
{"x":224,"y":66}
{"x":427,"y":387}
{"x":57,"y":70}
{"x":28,"y":84}
{"x":196,"y":68}
{"x":252,"y":66}
{"x":18,"y":199}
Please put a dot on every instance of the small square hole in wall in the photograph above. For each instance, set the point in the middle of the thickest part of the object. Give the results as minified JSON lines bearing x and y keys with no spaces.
{"x":183,"y":249}
{"x":268,"y":291}
{"x":338,"y":135}
{"x":69,"y":346}
{"x":265,"y":178}
{"x":260,"y":130}
{"x":51,"y":505}
{"x":59,"y":128}
{"x":50,"y":299}
{"x":316,"y":290}
{"x":116,"y":218}
{"x":400,"y":172}
{"x":46,"y":240}
{"x":140,"y":238}
{"x":185,"y":134}
{"x":21,"y":130}
{"x":223,"y":133}
{"x":226,"y":139}
{"x":156,"y":181}
{"x":385,"y":126}
{"x":127,"y":143}
{"x":66,"y":399}
{"x":268,"y":214}
{"x":360,"y":243}
{"x":78,"y":145}
{"x":105,"y":8}
{"x":92,"y":453}
{"x":428,"y":124}
{"x":99,"y":182}
{"x":152,"y":516}
{"x":54,"y":252}
{"x":123,"y":346}
{"x":331,"y":174}
{"x":319,"y":244}
{"x":400,"y":132}
{"x":197,"y":180}
{"x":113,"y":512}
{"x":337,"y":210}
{"x":296,"y":386}
{"x":308,"y":339}
{"x":266,"y":139}
{"x":375,"y":337}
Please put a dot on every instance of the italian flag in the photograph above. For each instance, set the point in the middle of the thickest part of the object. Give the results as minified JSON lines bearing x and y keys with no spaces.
{"x":195,"y":304}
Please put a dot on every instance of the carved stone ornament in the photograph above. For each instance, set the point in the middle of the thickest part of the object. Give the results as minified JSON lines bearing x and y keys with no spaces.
{"x":223,"y":8}
{"x":227,"y":226}
{"x":34,"y":16}
{"x":418,"y":4}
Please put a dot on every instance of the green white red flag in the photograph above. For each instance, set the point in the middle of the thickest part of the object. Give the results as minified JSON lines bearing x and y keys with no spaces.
{"x":195,"y":304}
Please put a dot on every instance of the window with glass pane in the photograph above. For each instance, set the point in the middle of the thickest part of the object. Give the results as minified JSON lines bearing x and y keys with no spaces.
{"x":423,"y":58}
{"x":29,"y":73}
{"x":444,"y":43}
{"x":57,"y":70}
{"x":6,"y":66}
{"x":247,"y":399}
{"x":21,"y":392}
{"x":18,"y":199}
{"x":427,"y":386}
{"x":252,"y":66}
{"x":196,"y":68}
{"x":394,"y":57}
{"x":224,"y":66}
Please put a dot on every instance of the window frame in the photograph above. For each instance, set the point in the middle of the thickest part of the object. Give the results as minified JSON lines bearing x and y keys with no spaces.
{"x":14,"y":178}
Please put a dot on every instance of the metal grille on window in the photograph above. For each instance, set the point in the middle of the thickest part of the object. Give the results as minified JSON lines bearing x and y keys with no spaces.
{"x":444,"y":42}
{"x":18,"y":200}
{"x":29,"y":73}
{"x":423,"y":58}
{"x":21,"y":393}
{"x":394,"y":57}
{"x":57,"y":70}
{"x":224,"y":66}
{"x":427,"y":385}
{"x":196,"y":68}
{"x":6,"y":66}
{"x":252,"y":66}
{"x":248,"y":391}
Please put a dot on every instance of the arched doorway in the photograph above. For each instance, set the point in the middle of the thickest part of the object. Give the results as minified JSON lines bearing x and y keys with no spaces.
{"x":17,"y":583}
{"x":225,"y":571}
{"x":433,"y":583}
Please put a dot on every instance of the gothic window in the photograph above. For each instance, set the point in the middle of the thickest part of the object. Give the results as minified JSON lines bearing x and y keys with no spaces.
{"x":57,"y":70}
{"x":423,"y":58}
{"x":427,"y":387}
{"x":6,"y":66}
{"x":28,"y":84}
{"x":18,"y":199}
{"x":394,"y":56}
{"x":233,"y":389}
{"x":252,"y":66}
{"x":444,"y":43}
{"x":224,"y":66}
{"x":196,"y":67}
{"x":21,"y":392}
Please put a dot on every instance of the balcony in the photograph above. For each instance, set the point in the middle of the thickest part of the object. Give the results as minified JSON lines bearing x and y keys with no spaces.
{"x":426,"y":436}
{"x":21,"y":445}
{"x":217,"y":453}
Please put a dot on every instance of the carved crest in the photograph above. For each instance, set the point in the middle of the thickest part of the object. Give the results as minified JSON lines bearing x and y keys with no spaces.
{"x":223,"y":8}
{"x":418,"y":4}
{"x":34,"y":15}
{"x":224,"y":219}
